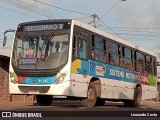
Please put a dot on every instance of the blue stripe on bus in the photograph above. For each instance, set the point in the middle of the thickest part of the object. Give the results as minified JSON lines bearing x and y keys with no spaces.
{"x":39,"y":80}
{"x":98,"y":69}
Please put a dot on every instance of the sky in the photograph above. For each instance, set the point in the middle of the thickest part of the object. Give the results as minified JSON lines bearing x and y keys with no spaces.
{"x":134,"y":20}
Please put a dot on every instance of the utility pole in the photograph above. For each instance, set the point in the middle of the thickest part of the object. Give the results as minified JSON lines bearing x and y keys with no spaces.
{"x":94,"y":17}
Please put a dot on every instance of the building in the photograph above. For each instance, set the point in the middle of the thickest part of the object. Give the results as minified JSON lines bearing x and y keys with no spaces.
{"x":4,"y":80}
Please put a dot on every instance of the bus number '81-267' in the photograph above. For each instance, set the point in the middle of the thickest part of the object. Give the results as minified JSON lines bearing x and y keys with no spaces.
{"x":43,"y":80}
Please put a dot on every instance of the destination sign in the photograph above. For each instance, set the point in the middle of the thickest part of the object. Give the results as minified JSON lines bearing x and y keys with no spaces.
{"x":30,"y":28}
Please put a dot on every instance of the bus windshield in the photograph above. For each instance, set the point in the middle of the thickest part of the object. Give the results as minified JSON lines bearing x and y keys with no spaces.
{"x":40,"y":51}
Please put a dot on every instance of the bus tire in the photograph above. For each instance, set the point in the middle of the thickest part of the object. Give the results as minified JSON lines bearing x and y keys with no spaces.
{"x":127,"y":103}
{"x":91,"y":99}
{"x":100,"y":102}
{"x":137,"y":98}
{"x":44,"y":100}
{"x":157,"y":98}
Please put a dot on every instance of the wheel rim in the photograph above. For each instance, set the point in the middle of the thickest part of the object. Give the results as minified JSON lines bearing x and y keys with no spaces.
{"x":91,"y":94}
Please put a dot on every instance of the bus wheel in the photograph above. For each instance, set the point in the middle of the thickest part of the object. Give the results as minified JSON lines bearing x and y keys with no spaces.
{"x":157,"y":98}
{"x":91,"y":99}
{"x":100,"y":102}
{"x":44,"y":100}
{"x":127,"y":103}
{"x":137,"y":98}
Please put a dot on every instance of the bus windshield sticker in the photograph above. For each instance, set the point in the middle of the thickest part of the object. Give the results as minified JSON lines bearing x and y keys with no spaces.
{"x":29,"y":52}
{"x":27,"y":61}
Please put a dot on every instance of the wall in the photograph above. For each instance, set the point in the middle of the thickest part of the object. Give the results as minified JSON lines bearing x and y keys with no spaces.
{"x":4,"y":86}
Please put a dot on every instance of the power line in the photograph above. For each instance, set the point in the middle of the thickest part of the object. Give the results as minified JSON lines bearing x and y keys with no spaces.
{"x":61,"y":8}
{"x":26,"y":8}
{"x":140,"y":35}
{"x":82,"y":18}
{"x":151,"y":32}
{"x":111,"y":8}
{"x":41,"y":10}
{"x":136,"y":32}
{"x":94,"y":16}
{"x":18,"y":12}
{"x":109,"y":27}
{"x":136,"y":27}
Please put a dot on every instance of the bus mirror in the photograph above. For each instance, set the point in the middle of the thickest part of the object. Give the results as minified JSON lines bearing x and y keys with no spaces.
{"x":4,"y":41}
{"x":5,"y":37}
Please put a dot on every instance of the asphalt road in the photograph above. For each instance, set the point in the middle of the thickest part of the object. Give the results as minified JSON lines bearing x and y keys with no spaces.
{"x":75,"y":106}
{"x":64,"y":110}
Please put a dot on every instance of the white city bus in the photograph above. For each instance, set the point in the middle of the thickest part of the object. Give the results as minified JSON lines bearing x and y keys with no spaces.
{"x":74,"y":60}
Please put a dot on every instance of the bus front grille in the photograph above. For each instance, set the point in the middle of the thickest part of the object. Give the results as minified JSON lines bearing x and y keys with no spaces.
{"x":34,"y":89}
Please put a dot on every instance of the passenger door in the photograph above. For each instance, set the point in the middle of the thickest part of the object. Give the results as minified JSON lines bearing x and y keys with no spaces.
{"x":79,"y":74}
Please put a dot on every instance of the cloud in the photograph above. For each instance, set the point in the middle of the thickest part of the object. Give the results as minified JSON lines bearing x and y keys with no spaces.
{"x":140,"y":13}
{"x":144,"y":16}
{"x":155,"y":12}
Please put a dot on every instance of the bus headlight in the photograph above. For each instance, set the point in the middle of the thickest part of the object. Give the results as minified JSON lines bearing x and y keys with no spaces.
{"x":60,"y":78}
{"x":13,"y":80}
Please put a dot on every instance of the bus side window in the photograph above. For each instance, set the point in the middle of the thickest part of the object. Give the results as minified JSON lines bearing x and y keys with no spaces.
{"x":139,"y":61}
{"x":79,"y":48}
{"x":148,"y":64}
{"x":114,"y":53}
{"x":127,"y":61}
{"x":98,"y":49}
